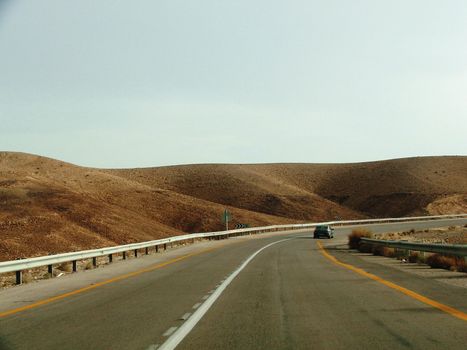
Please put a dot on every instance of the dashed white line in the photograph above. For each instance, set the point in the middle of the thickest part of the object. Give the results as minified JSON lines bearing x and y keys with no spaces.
{"x":186,"y":327}
{"x":197,"y":305}
{"x":169,"y":331}
{"x":185,"y":317}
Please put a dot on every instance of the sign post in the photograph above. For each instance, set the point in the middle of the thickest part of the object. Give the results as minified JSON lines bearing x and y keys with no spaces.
{"x":226,"y":218}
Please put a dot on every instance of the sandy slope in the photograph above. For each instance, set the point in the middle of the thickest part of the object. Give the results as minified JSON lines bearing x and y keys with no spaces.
{"x":48,"y":206}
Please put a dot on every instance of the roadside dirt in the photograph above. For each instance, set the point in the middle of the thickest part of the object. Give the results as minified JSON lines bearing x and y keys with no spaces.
{"x":448,"y":235}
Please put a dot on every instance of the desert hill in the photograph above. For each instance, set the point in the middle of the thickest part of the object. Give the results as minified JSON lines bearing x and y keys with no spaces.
{"x":49,"y":206}
{"x":398,"y":187}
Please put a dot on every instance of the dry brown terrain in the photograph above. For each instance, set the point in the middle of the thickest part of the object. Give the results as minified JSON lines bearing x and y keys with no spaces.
{"x":448,"y":235}
{"x":48,"y":206}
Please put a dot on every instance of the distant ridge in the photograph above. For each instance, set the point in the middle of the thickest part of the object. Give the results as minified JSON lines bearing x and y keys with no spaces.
{"x":49,"y":206}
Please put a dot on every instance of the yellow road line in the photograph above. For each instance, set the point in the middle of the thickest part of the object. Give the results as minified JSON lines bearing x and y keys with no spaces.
{"x":454,"y":312}
{"x":99,"y":284}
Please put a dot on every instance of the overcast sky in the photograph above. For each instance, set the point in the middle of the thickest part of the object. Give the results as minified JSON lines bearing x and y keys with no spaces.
{"x":110,"y":83}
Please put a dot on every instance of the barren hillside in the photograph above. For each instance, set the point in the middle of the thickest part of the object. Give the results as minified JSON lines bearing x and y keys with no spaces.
{"x":399,"y":187}
{"x":48,"y":206}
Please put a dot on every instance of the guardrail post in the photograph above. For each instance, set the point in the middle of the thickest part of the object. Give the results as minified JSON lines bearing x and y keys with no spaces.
{"x":74,"y":266}
{"x":136,"y":253}
{"x":19,"y":277}
{"x":110,"y":258}
{"x":400,"y":253}
{"x":157,"y":249}
{"x":94,"y":262}
{"x":50,"y":270}
{"x":147,"y":251}
{"x":165,"y":246}
{"x":124,"y":255}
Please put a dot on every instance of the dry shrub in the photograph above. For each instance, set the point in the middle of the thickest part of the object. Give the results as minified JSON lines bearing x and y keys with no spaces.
{"x":441,"y":261}
{"x":65,"y":267}
{"x":88,"y":265}
{"x":383,"y":251}
{"x":45,"y":276}
{"x":389,"y":252}
{"x":461,"y":265}
{"x":356,"y":235}
{"x":377,"y":250}
{"x":365,"y":247}
{"x":27,"y":277}
{"x":414,"y":257}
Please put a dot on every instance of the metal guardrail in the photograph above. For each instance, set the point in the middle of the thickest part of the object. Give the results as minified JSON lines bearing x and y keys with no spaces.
{"x":445,"y":249}
{"x":24,"y":264}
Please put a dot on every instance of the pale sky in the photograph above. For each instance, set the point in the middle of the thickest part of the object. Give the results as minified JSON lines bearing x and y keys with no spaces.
{"x":111,"y":83}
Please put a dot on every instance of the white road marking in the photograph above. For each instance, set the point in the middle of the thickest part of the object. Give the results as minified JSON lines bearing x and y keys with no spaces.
{"x":175,"y":339}
{"x":205,"y":297}
{"x":185,"y":317}
{"x":197,"y":305}
{"x":153,"y":347}
{"x":211,"y":291}
{"x":169,"y":331}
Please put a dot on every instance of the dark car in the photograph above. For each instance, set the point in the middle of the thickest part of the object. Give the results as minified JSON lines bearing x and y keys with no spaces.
{"x":323,"y":230}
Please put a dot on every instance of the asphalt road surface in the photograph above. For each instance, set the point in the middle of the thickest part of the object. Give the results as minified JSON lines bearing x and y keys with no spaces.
{"x":288,"y":296}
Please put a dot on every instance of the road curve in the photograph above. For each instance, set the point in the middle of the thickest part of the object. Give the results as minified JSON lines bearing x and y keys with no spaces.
{"x":289,"y":296}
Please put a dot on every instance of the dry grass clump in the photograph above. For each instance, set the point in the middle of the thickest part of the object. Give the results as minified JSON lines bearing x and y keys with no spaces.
{"x":65,"y":267}
{"x":441,"y":261}
{"x":461,"y":265}
{"x":27,"y":277}
{"x":355,"y":237}
{"x":416,"y":257}
{"x":88,"y":265}
{"x":383,"y":251}
{"x":447,"y":262}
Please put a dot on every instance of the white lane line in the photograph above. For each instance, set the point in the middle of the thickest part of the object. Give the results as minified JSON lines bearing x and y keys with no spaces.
{"x":211,"y":291}
{"x":205,"y":297}
{"x":153,"y":347}
{"x":197,"y":305}
{"x":169,"y":331}
{"x":185,"y":317}
{"x":175,"y":339}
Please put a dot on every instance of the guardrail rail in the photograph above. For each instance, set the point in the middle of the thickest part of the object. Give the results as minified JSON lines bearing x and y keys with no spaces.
{"x":20,"y":265}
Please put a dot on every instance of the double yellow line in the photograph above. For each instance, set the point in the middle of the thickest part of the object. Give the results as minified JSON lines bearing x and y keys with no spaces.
{"x":454,"y":312}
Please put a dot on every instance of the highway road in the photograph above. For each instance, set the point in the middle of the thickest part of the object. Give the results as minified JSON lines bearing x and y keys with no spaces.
{"x":290,"y":295}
